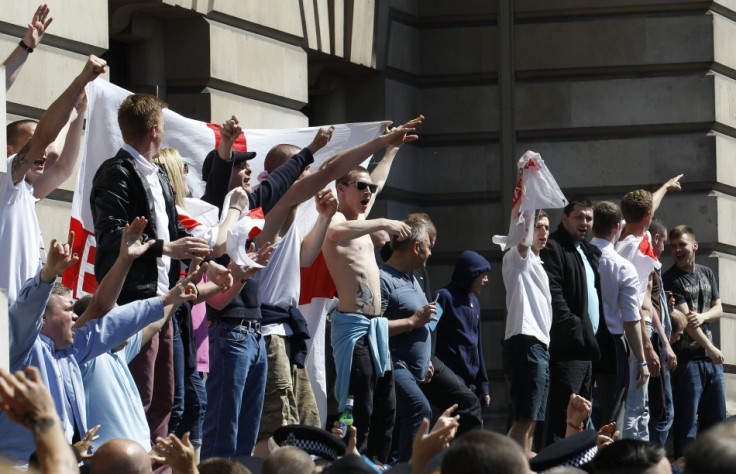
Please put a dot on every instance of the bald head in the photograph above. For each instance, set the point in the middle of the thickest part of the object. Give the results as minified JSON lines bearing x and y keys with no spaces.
{"x":279,"y":155}
{"x":120,"y":456}
{"x":287,"y":460}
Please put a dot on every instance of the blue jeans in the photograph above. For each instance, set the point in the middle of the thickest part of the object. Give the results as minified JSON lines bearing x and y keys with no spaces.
{"x":235,"y":390}
{"x":699,"y":397}
{"x":177,"y":411}
{"x":411,"y":407}
{"x":190,"y":397}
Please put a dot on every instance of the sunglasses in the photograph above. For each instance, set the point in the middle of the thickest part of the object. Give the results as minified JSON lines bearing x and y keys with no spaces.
{"x":186,"y":168}
{"x":361,"y":185}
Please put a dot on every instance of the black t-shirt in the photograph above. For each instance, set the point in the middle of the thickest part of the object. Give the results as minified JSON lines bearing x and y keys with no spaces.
{"x":698,"y":290}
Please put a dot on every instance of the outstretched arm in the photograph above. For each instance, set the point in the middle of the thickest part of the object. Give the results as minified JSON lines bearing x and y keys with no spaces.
{"x":54,"y":119}
{"x":671,"y":185}
{"x":346,"y":160}
{"x":379,"y":175}
{"x":34,"y":34}
{"x":109,"y":289}
{"x":342,"y":230}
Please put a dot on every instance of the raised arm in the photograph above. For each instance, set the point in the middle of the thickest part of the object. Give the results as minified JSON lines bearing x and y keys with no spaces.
{"x":326,"y":204}
{"x":34,"y":34}
{"x":109,"y":289}
{"x":230,"y":130}
{"x":671,"y":185}
{"x":346,"y":160}
{"x":54,"y":119}
{"x":58,"y":172}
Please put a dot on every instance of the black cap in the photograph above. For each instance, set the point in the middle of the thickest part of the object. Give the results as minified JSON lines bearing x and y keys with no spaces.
{"x":238,"y":157}
{"x":574,"y":451}
{"x":314,"y":441}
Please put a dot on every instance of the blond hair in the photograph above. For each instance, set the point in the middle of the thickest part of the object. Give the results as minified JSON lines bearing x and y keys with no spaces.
{"x":171,"y":160}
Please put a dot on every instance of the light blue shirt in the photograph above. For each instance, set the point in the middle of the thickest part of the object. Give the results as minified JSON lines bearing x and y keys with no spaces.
{"x":114,"y":400}
{"x":590,"y":285}
{"x":59,"y":370}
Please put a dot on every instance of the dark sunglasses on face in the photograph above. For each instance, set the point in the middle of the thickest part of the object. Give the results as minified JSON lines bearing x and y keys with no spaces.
{"x":361,"y":185}
{"x":186,"y":168}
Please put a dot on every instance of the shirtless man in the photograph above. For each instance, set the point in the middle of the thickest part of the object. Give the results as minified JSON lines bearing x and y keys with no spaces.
{"x":359,"y":335}
{"x":289,"y":394}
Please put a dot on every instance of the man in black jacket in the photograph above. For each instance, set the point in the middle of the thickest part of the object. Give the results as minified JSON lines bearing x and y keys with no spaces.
{"x":124,"y":187}
{"x":572,"y":266}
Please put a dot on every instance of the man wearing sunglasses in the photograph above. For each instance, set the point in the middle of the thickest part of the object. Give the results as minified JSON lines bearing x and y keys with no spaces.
{"x":359,"y":333}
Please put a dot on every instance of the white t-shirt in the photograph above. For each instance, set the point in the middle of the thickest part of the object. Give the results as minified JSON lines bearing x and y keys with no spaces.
{"x":150,"y":172}
{"x":20,"y":233}
{"x":280,"y":281}
{"x":638,"y":250}
{"x":619,"y":287}
{"x":528,"y":300}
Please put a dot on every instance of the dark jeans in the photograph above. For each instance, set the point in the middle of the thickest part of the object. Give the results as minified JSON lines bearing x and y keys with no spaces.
{"x":374,"y":408}
{"x":190,"y":396}
{"x":566,"y":378}
{"x":445,"y":389}
{"x":612,"y":388}
{"x":700,"y":400}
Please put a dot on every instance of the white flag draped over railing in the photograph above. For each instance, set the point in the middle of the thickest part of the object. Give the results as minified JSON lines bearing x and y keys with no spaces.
{"x":535,"y":189}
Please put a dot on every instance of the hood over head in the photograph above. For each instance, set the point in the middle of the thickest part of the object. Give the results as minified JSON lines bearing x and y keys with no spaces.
{"x":469,"y":265}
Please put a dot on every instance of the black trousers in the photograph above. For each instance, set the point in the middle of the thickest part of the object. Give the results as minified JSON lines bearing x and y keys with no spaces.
{"x":612,"y":388}
{"x":374,"y":409}
{"x":446,"y":389}
{"x":565,"y":378}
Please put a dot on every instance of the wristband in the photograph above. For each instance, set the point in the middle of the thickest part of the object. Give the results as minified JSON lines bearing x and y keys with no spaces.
{"x":25,"y":46}
{"x":575,"y":427}
{"x":642,"y":364}
{"x":236,"y":208}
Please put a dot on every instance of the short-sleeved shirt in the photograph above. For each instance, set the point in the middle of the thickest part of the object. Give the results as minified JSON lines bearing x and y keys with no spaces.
{"x":20,"y":233}
{"x":402,"y":296}
{"x":619,"y":287}
{"x":698,"y":289}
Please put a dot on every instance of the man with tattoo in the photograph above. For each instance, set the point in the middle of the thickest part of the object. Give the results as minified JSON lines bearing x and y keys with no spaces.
{"x":20,"y":233}
{"x":359,"y":333}
{"x":41,"y":335}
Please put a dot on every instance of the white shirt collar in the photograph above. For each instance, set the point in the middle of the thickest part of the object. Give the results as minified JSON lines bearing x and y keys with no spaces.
{"x":143,"y":164}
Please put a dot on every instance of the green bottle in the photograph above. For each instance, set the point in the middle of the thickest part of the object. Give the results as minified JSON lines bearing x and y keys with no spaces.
{"x":346,"y":419}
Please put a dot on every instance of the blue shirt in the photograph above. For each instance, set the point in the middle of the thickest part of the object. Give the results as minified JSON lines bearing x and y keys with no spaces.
{"x":401,"y":296}
{"x":59,"y":370}
{"x":592,"y":293}
{"x":115,"y":402}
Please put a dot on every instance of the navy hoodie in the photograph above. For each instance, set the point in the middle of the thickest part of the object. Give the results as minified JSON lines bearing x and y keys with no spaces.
{"x":458,"y":330}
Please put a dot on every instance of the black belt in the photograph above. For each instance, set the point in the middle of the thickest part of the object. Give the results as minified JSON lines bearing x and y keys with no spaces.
{"x":247,"y":323}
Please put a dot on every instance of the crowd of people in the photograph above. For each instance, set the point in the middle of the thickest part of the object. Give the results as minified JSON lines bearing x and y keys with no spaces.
{"x":191,"y":352}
